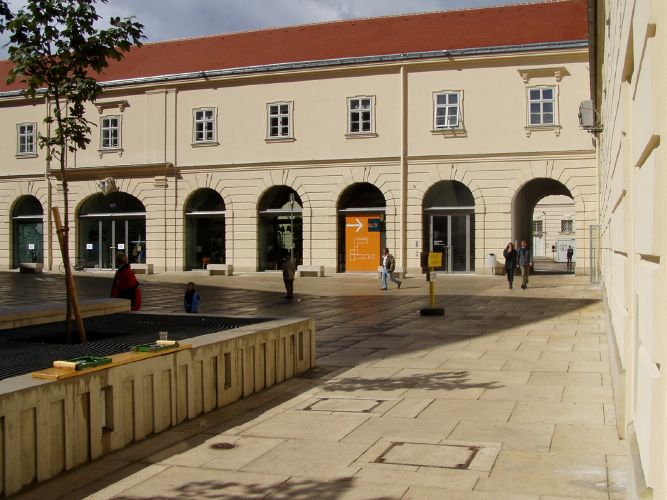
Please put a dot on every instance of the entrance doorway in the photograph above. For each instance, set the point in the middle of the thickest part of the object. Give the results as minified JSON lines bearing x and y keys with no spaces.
{"x":280,"y":228}
{"x":27,"y":231}
{"x":450,"y":235}
{"x":109,"y":224}
{"x":205,"y":229}
{"x":449,"y":223}
{"x":361,"y":229}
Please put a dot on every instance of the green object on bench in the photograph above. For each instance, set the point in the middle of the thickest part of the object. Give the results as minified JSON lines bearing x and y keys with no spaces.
{"x":154,"y":347}
{"x":85,"y":362}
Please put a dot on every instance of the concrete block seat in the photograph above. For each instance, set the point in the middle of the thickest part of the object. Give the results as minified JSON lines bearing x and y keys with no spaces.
{"x":142,"y":268}
{"x":314,"y":271}
{"x":225,"y":269}
{"x":48,"y":312}
{"x":31,"y":267}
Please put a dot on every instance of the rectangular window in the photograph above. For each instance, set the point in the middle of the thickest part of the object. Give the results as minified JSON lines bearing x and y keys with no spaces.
{"x":361,"y":115}
{"x":447,"y":110}
{"x":279,"y":120}
{"x":204,"y":125}
{"x":537,"y":227}
{"x":567,"y":226}
{"x":110,"y":132}
{"x":542,"y":106}
{"x":27,"y":138}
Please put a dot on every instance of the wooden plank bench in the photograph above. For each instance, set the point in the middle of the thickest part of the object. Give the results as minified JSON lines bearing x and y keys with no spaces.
{"x":314,"y":271}
{"x":116,"y":360}
{"x":225,"y":269}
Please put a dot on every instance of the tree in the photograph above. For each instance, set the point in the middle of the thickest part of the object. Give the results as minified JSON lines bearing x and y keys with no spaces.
{"x":57,"y":51}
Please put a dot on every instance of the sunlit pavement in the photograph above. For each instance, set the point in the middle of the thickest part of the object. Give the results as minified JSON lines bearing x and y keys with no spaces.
{"x":507,"y":394}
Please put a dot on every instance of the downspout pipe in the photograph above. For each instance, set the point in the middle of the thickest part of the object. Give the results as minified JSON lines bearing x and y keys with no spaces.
{"x":404,"y":170}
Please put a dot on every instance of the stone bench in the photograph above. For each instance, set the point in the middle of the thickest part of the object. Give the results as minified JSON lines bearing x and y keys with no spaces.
{"x":51,"y":312}
{"x":142,"y":268}
{"x":31,"y":267}
{"x":314,"y":271}
{"x":225,"y":269}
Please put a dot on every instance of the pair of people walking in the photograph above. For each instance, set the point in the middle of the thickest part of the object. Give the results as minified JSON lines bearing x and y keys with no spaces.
{"x":520,"y":258}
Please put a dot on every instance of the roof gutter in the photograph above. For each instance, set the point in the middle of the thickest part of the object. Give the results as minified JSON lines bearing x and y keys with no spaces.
{"x":344,"y":61}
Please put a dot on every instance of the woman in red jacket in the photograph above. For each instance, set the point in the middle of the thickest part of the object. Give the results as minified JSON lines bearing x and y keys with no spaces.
{"x":125,"y":284}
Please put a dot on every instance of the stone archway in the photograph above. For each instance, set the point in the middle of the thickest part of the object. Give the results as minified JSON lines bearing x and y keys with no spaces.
{"x":523,"y":207}
{"x":448,"y":221}
{"x":280,"y":227}
{"x":111,"y":223}
{"x":361,"y":227}
{"x":27,"y":231}
{"x":204,"y":229}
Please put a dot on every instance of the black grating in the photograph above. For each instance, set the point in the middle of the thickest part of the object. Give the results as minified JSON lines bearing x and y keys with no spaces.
{"x":24,"y":350}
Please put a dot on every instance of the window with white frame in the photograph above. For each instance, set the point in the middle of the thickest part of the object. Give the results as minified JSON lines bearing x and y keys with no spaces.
{"x":566,"y":226}
{"x":538,"y":227}
{"x":361,"y":111}
{"x":204,"y":129}
{"x":447,"y":107}
{"x":541,"y":106}
{"x":279,"y":124}
{"x":110,"y":132}
{"x":26,"y":138}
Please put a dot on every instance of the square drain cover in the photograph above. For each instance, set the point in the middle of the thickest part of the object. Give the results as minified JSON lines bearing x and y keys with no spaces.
{"x":336,"y":404}
{"x":446,"y":456}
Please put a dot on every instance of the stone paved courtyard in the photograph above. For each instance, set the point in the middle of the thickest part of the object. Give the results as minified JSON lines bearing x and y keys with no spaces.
{"x":507,"y":396}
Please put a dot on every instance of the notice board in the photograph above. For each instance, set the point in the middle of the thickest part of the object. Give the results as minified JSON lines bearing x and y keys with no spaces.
{"x":362,"y":244}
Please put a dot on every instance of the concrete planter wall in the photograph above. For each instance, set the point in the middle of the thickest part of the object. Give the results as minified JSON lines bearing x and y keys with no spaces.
{"x":50,"y":427}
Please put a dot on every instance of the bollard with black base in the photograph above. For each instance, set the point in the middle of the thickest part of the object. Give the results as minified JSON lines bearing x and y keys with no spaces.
{"x":431,"y":259}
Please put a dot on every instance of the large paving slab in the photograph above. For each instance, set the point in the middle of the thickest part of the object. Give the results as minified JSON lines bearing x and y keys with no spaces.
{"x":506,"y":397}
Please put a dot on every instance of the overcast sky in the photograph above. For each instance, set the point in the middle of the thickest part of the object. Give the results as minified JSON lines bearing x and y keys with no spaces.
{"x":169,"y":19}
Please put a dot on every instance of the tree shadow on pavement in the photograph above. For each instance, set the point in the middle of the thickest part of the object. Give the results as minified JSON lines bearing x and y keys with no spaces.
{"x":440,"y":380}
{"x":293,"y":488}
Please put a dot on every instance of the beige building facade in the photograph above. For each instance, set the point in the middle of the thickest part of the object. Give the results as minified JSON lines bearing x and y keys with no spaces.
{"x":333,"y":159}
{"x":554,"y":225}
{"x":629,"y":88}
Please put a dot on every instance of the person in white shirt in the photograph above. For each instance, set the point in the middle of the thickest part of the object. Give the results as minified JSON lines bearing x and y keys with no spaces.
{"x":388,"y":267}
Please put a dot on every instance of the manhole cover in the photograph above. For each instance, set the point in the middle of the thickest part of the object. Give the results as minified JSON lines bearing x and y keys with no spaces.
{"x":429,"y":455}
{"x":352,"y":405}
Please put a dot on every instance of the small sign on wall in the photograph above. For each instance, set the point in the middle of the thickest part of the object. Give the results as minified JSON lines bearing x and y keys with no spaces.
{"x":31,"y":246}
{"x":89,"y":246}
{"x":121,"y":246}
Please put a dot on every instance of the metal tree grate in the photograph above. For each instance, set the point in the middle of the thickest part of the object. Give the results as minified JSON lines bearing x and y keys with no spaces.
{"x":24,"y":350}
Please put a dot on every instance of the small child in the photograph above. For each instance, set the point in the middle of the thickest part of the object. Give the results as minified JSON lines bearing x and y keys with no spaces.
{"x":192,"y":299}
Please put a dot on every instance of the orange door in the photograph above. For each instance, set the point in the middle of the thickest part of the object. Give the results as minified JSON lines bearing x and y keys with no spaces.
{"x":362,"y":243}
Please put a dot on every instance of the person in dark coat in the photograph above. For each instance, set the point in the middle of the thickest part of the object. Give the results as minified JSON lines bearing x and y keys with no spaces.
{"x":191,"y":299}
{"x":511,"y":256}
{"x":525,"y":260}
{"x":289,"y":270}
{"x":569,"y":254}
{"x":125,"y":284}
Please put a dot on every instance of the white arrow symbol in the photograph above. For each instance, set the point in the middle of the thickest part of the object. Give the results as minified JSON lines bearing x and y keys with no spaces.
{"x":358,"y":225}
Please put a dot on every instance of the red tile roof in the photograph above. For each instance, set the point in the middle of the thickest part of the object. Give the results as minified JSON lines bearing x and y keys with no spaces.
{"x":555,"y":21}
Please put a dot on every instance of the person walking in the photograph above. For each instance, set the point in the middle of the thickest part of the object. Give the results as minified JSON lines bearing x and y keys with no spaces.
{"x":125,"y":284}
{"x":510,"y":262}
{"x":191,"y":299}
{"x":388,"y":268}
{"x":289,"y":270}
{"x":569,"y":254}
{"x":524,"y":263}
